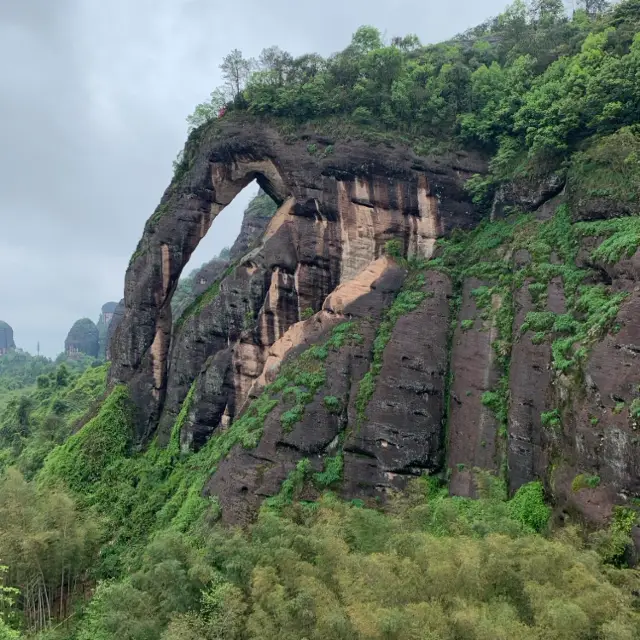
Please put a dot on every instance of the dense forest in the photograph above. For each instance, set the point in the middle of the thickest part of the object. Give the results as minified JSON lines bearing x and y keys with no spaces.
{"x":101,"y":541}
{"x":540,"y":91}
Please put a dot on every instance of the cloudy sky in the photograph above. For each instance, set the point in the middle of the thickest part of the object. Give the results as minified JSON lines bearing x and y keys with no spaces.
{"x":93,"y":100}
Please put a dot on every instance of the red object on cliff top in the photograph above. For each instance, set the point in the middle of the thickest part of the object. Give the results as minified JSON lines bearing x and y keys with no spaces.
{"x":222,"y":111}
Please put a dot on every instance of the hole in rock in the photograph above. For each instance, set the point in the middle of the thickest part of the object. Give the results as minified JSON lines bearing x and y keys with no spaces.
{"x":226,"y":241}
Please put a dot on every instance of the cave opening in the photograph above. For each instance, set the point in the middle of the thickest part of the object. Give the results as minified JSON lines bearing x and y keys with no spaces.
{"x":225,"y":242}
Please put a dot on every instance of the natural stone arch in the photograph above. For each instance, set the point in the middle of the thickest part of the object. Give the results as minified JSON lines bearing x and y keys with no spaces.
{"x":181,"y":221}
{"x":317,"y":178}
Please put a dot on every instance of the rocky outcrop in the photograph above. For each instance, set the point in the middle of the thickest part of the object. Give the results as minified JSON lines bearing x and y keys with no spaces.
{"x":83,"y":339}
{"x":254,"y":223}
{"x":530,"y":385}
{"x":400,"y":434}
{"x":473,"y":427}
{"x":527,"y":194}
{"x":601,"y":431}
{"x":465,"y":379}
{"x":337,"y":211}
{"x":244,"y":478}
{"x":6,"y":338}
{"x":207,"y":275}
{"x":106,"y":316}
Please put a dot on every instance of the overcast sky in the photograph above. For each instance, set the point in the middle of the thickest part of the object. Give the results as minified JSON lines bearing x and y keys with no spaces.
{"x":93,"y":100}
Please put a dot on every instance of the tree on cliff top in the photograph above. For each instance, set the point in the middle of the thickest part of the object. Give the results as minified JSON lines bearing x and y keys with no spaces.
{"x":529,"y":87}
{"x":235,"y":71}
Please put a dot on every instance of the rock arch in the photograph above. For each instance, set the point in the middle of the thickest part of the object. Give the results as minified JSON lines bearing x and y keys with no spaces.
{"x":371,"y":194}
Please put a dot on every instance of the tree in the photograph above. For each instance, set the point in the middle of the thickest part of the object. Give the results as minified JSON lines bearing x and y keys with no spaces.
{"x":236,"y":71}
{"x":7,"y":599}
{"x":48,"y":546}
{"x":366,"y":39}
{"x":594,"y":7}
{"x":276,"y":63}
{"x":512,"y":25}
{"x":62,"y":375}
{"x":407,"y":43}
{"x":206,"y":111}
{"x":546,"y":11}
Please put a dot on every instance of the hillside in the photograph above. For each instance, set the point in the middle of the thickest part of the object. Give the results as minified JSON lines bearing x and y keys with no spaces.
{"x":407,"y":405}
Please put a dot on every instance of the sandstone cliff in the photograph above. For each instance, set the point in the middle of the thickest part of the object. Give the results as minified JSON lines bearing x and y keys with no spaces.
{"x":352,"y":338}
{"x":338,"y":208}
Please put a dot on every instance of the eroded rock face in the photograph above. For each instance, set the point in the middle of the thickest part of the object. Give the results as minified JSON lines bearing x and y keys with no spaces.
{"x":601,"y":435}
{"x":401,"y":432}
{"x":529,"y":194}
{"x":244,"y":478}
{"x":322,"y":260}
{"x":118,"y":314}
{"x":337,"y":211}
{"x":529,"y":384}
{"x":473,"y":428}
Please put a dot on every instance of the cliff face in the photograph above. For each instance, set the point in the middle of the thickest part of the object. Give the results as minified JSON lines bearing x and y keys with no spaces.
{"x":339,"y":205}
{"x":118,"y":314}
{"x":104,"y":321}
{"x":513,"y":349}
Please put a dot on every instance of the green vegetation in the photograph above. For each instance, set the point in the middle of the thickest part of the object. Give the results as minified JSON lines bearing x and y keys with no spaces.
{"x":7,"y":598}
{"x":203,"y":300}
{"x":19,"y":370}
{"x":551,"y":419}
{"x":301,"y":380}
{"x":607,"y":173}
{"x":184,"y":297}
{"x":101,"y":541}
{"x":332,"y":570}
{"x":486,"y":253}
{"x":622,"y":237}
{"x":393,"y":248}
{"x":140,"y":494}
{"x":583,"y":481}
{"x":290,"y":488}
{"x":332,"y":473}
{"x":262,"y":206}
{"x":613,"y":543}
{"x":333,"y":404}
{"x":86,"y":455}
{"x":40,"y":417}
{"x":528,"y":507}
{"x":49,"y":545}
{"x":184,"y":294}
{"x":529,"y":86}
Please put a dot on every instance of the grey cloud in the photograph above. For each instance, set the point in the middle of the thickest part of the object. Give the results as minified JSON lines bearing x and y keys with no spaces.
{"x":92,"y":106}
